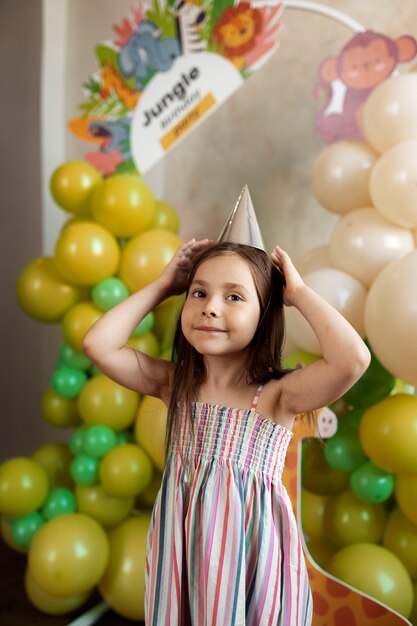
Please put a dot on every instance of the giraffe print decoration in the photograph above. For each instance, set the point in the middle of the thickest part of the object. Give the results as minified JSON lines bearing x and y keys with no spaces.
{"x":335,"y":602}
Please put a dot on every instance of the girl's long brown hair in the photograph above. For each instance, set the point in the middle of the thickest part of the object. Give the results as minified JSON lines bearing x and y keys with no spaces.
{"x":264,"y":361}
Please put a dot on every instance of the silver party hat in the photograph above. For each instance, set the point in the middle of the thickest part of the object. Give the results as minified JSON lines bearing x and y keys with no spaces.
{"x":242,"y":225}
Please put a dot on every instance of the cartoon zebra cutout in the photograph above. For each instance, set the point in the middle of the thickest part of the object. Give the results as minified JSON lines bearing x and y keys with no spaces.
{"x":189,"y":18}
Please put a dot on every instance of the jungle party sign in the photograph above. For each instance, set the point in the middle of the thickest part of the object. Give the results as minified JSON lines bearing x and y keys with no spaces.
{"x":171,"y":64}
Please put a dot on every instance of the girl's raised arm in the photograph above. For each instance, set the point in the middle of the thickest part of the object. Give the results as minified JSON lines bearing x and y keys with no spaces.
{"x":345,"y":355}
{"x":105,"y":342}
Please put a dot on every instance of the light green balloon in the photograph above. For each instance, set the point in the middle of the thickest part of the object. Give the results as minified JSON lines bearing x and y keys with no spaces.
{"x":109,"y":292}
{"x":145,"y":325}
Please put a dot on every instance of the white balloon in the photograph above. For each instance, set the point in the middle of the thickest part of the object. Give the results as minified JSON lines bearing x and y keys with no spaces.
{"x":342,"y":291}
{"x":340,"y":176}
{"x":393,"y":184}
{"x":315,"y":259}
{"x":390,"y":112}
{"x":391,"y":317}
{"x":363,"y":242}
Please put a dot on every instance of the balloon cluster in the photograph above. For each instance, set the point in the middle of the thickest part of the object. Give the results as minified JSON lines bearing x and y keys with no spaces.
{"x":359,"y":507}
{"x":81,"y":510}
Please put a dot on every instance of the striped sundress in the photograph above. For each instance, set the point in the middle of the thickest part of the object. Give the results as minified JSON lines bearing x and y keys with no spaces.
{"x":224,"y":549}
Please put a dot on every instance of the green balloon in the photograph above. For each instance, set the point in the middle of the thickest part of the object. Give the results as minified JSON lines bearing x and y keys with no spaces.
{"x":76,"y":442}
{"x":98,"y":440}
{"x":68,"y":357}
{"x":349,"y":420}
{"x":59,"y":501}
{"x":25,"y":528}
{"x":344,"y":452}
{"x":109,"y":292}
{"x":84,"y":469}
{"x":372,"y":484}
{"x":68,"y":382}
{"x":145,"y":325}
{"x":125,"y":436}
{"x":374,"y":385}
{"x":300,"y":359}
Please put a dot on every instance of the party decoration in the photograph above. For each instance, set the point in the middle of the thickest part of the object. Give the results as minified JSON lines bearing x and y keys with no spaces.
{"x":315,"y":259}
{"x":109,"y":292}
{"x":340,"y":176}
{"x":85,"y":469}
{"x":94,"y":501}
{"x":59,"y":501}
{"x":406,"y":495}
{"x":364,"y":242}
{"x":69,"y":555}
{"x":77,"y":321}
{"x":367,"y":60}
{"x":125,"y":471}
{"x":68,"y":382}
{"x":58,"y":410}
{"x":145,"y":256}
{"x":390,"y":320}
{"x":72,"y":185}
{"x":169,"y":67}
{"x":372,"y":484}
{"x":312,"y":512}
{"x":150,"y":427}
{"x":388,"y":433}
{"x":123,"y":583}
{"x":344,"y":452}
{"x":374,"y":385}
{"x":55,"y":458}
{"x":49,"y":603}
{"x":98,"y":440}
{"x":165,"y":217}
{"x":73,"y":358}
{"x":25,"y":528}
{"x":124,"y":204}
{"x":102,"y":401}
{"x":316,"y":475}
{"x":145,"y":325}
{"x":400,"y":536}
{"x":348,"y":520}
{"x":44,"y":293}
{"x":23,"y":486}
{"x":389,"y":115}
{"x":86,"y":253}
{"x":146,"y":343}
{"x":376,"y":571}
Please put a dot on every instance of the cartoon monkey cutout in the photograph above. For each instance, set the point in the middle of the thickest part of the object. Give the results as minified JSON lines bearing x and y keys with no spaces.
{"x":348,"y":79}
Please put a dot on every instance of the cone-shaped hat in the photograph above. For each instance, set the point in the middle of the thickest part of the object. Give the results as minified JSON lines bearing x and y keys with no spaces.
{"x":242,"y":225}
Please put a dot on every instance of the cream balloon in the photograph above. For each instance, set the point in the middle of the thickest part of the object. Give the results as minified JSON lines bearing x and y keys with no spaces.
{"x":363,"y":242}
{"x":342,"y":291}
{"x":315,"y":259}
{"x":340,"y":176}
{"x":390,"y":112}
{"x":391,"y":317}
{"x":393,"y":184}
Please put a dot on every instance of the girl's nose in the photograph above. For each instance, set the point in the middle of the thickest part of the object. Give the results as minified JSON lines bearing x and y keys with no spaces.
{"x":210,"y":309}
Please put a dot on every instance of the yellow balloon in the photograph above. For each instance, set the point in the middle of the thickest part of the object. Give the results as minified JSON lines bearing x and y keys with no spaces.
{"x":400,"y":536}
{"x":413,"y":614}
{"x":348,"y":520}
{"x":150,"y":429}
{"x":123,"y":583}
{"x":392,"y":184}
{"x":377,"y":572}
{"x":23,"y":486}
{"x":146,"y":498}
{"x":86,"y":253}
{"x":341,"y":290}
{"x":145,"y":256}
{"x":389,"y":114}
{"x":147,"y":343}
{"x":363,"y":242}
{"x":125,"y":471}
{"x":321,"y":551}
{"x":69,"y":554}
{"x":165,"y":217}
{"x":6,"y":534}
{"x":72,"y":185}
{"x":55,"y":458}
{"x":77,"y":321}
{"x":124,"y":204}
{"x":94,"y":501}
{"x":317,"y":258}
{"x":312,"y":511}
{"x":406,"y":495}
{"x":391,"y":320}
{"x":103,"y":401}
{"x":388,"y":433}
{"x":59,"y":411}
{"x":340,"y":176}
{"x":166,"y":316}
{"x":44,"y":293}
{"x":50,"y":604}
{"x":317,"y":477}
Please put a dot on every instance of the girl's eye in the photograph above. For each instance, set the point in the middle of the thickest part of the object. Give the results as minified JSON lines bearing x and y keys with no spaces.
{"x":197,"y":293}
{"x":235,"y":297}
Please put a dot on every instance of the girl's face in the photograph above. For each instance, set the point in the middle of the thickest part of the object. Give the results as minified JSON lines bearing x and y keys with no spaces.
{"x":221,"y":312}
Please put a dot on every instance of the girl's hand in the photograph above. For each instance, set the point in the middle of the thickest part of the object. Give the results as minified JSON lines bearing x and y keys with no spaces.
{"x":292,"y":278}
{"x":175,"y":275}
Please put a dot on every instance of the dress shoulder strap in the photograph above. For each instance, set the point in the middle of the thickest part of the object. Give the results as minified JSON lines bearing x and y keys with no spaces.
{"x":256,"y":397}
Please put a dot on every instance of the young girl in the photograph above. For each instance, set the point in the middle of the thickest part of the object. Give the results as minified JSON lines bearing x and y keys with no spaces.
{"x":223,"y":547}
